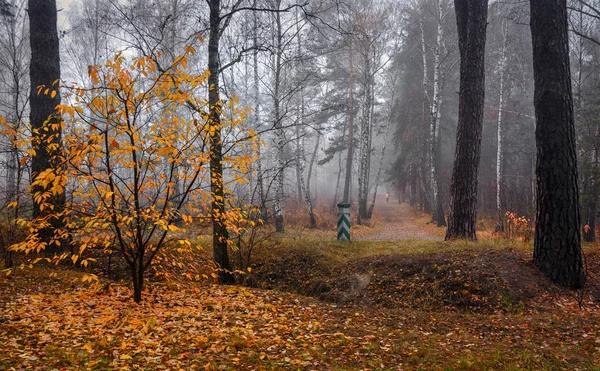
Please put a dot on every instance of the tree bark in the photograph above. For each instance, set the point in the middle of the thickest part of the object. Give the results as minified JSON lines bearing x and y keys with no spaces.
{"x":471,"y":21}
{"x":305,"y":186}
{"x":278,"y":125}
{"x":500,"y":149}
{"x":257,"y":123}
{"x":44,"y":73}
{"x":557,"y":249}
{"x":350,"y":115}
{"x":220,"y":233}
{"x":364,"y":163}
{"x":434,"y":122}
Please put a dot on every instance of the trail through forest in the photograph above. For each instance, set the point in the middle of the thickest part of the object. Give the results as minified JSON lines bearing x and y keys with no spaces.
{"x":399,"y":224}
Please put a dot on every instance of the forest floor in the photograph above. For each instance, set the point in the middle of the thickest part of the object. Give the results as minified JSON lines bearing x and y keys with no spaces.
{"x":396,"y":298}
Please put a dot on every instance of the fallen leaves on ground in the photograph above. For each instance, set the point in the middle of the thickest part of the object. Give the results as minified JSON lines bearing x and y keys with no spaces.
{"x":234,"y":328}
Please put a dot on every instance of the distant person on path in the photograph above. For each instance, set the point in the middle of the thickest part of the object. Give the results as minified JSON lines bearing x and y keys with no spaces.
{"x":387,"y":197}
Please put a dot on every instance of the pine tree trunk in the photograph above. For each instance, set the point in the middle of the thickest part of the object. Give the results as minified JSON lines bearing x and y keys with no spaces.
{"x":471,"y":21}
{"x":557,"y":250}
{"x":44,"y":73}
{"x":220,"y":233}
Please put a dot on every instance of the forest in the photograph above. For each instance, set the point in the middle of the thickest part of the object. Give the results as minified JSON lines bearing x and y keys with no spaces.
{"x":299,"y":184}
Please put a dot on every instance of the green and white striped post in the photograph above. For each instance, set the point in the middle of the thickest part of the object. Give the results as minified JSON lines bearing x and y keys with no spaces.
{"x":343,"y":222}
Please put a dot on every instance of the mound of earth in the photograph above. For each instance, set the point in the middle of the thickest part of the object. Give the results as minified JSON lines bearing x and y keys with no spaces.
{"x":481,"y":279}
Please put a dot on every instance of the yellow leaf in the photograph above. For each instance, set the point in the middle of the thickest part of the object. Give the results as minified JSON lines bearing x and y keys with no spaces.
{"x":125,"y":356}
{"x":53,"y":94}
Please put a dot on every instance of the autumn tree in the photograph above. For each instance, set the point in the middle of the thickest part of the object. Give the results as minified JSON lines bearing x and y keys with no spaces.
{"x":557,"y":250}
{"x":46,"y":126}
{"x":471,"y":22}
{"x":220,"y":235}
{"x":120,"y":130}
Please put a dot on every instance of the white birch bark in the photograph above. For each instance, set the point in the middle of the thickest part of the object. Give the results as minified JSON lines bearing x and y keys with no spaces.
{"x":256,"y":113}
{"x":278,"y":125}
{"x":350,"y":154}
{"x":438,"y":214}
{"x":306,"y":185}
{"x":500,"y":149}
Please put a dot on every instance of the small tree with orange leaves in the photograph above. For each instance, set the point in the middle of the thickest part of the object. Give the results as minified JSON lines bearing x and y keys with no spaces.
{"x":134,"y":163}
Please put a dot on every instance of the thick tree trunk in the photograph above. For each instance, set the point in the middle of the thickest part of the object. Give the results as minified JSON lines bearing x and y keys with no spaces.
{"x":220,"y":234}
{"x":44,"y":73}
{"x":471,"y":20}
{"x":557,"y":250}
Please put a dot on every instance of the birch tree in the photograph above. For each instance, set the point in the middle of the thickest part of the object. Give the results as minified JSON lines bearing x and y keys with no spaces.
{"x":499,"y":150}
{"x":435,"y":111}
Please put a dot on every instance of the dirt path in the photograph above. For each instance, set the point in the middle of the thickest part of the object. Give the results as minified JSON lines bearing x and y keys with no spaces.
{"x":399,"y":224}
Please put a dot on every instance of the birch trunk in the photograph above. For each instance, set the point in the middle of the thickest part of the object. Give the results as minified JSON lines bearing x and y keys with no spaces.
{"x":499,"y":152}
{"x":349,"y":159}
{"x":257,"y":124}
{"x":306,"y":185}
{"x":438,"y":212}
{"x":424,"y":202}
{"x":378,"y":177}
{"x":279,"y":133}
{"x":299,"y":158}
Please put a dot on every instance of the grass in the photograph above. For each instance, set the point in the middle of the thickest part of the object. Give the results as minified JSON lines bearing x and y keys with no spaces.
{"x":408,"y":316}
